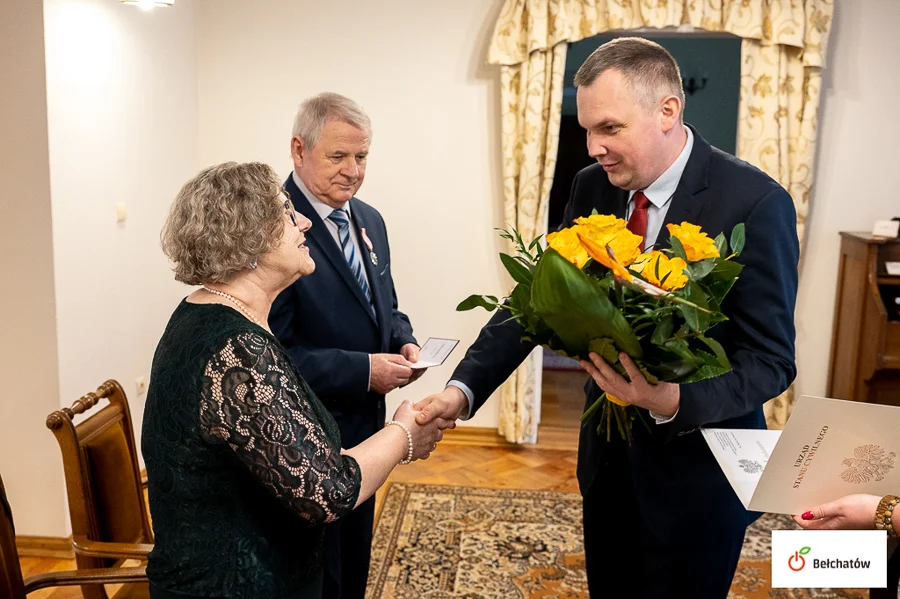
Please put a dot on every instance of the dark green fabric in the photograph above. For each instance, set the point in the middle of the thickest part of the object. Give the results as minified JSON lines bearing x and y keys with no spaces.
{"x":243,"y":462}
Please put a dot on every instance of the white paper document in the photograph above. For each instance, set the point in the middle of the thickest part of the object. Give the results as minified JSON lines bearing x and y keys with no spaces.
{"x":829,"y":448}
{"x":893,"y":268}
{"x":434,"y":352}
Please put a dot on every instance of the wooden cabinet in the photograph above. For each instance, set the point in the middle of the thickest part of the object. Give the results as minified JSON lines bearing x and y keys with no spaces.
{"x":865,"y":343}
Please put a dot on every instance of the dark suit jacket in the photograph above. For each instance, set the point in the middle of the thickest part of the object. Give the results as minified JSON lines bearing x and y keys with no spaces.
{"x":325,"y":323}
{"x":673,"y":470}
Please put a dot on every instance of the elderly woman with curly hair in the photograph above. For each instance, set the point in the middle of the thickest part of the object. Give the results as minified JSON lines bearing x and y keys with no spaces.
{"x":244,"y":463}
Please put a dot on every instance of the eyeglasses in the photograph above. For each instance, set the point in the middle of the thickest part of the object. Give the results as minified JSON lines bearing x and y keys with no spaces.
{"x":289,"y":207}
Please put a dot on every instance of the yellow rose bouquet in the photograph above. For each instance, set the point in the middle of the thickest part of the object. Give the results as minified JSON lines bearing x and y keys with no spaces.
{"x":594,"y":290}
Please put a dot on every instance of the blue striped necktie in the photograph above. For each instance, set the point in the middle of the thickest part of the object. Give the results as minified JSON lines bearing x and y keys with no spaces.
{"x":342,"y":219}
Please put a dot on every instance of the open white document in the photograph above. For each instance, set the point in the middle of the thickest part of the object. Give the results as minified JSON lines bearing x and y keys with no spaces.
{"x":829,"y":448}
{"x":434,"y":352}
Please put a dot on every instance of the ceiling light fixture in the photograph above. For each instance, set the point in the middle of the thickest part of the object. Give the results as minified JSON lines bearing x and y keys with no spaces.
{"x":148,"y":4}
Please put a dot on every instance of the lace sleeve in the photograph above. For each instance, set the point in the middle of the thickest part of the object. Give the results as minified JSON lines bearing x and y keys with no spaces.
{"x":254,"y":403}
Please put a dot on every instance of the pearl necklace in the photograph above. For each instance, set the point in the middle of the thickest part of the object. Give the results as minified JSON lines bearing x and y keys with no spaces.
{"x":238,"y":304}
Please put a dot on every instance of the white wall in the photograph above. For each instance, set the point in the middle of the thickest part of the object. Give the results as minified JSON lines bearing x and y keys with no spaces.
{"x":29,"y":457}
{"x":434,"y":170}
{"x":122,"y":113}
{"x":85,"y":299}
{"x":856,"y":166}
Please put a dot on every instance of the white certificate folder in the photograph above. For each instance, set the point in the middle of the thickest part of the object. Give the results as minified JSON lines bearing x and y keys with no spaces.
{"x":829,"y":448}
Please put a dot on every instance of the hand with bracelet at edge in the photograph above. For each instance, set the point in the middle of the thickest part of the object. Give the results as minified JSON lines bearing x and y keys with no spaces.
{"x":851,"y":512}
{"x":425,"y":437}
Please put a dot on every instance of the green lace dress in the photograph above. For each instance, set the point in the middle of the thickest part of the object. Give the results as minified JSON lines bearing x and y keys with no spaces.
{"x":243,"y":461}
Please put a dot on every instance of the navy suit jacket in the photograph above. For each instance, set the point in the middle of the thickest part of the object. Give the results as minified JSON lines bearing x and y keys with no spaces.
{"x":325,"y":323}
{"x":677,"y":483}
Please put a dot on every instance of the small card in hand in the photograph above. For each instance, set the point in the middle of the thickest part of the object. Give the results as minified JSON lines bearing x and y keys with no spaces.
{"x":434,"y":352}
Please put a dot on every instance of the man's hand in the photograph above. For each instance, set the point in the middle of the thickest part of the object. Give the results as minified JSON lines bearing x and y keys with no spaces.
{"x":449,"y":404}
{"x":410,"y":351}
{"x":662,"y":399}
{"x":389,"y":371}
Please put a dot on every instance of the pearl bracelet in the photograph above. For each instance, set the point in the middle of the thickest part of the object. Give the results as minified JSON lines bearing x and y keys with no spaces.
{"x":409,"y":455}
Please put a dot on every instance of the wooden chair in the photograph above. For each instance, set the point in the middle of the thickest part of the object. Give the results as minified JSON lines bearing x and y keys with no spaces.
{"x":107,"y":506}
{"x":13,"y":587}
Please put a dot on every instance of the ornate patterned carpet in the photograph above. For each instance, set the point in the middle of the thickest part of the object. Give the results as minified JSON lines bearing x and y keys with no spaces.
{"x":442,"y":542}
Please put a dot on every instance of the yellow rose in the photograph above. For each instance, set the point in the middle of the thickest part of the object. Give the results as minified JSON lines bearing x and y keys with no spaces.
{"x":626,"y":246}
{"x":604,"y":223}
{"x":674,"y":268}
{"x":614,"y":250}
{"x":638,"y":265}
{"x":697,"y":244}
{"x":567,"y":244}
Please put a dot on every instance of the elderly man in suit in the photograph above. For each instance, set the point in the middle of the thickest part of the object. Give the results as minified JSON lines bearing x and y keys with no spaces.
{"x":660,"y":518}
{"x":341,"y":325}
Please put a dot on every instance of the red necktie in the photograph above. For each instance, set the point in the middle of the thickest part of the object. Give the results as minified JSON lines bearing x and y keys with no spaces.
{"x":637,"y":224}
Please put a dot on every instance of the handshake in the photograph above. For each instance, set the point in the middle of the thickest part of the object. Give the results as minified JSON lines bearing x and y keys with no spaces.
{"x":427,"y":419}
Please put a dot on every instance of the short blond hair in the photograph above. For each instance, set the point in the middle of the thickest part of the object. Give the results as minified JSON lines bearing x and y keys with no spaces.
{"x":223,"y":220}
{"x":318,"y":110}
{"x":648,"y":68}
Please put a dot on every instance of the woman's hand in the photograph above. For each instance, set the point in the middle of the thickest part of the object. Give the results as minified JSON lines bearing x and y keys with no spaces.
{"x":425,"y":437}
{"x":851,"y":512}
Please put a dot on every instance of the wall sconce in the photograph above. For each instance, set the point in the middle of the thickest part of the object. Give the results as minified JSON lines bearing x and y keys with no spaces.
{"x":691,"y":86}
{"x":148,"y":4}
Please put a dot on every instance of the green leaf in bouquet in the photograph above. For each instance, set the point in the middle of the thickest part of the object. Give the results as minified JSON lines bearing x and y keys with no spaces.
{"x":698,"y":270}
{"x":605,"y":348}
{"x":697,"y":319}
{"x":718,"y":350}
{"x":737,"y":239}
{"x":639,"y":329}
{"x":710,"y":368}
{"x":677,"y":248}
{"x":672,"y":370}
{"x":488,"y":302}
{"x":577,"y":307}
{"x":671,"y":361}
{"x":720,"y":280}
{"x":664,"y":329}
{"x":520,"y":302}
{"x":526,"y":262}
{"x":721,"y":244}
{"x":516,"y":270}
{"x":680,"y":348}
{"x":705,"y":372}
{"x":520,"y":298}
{"x":725,"y":270}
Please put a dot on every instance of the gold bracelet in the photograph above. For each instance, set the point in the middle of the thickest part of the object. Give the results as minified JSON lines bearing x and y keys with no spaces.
{"x":884,"y":514}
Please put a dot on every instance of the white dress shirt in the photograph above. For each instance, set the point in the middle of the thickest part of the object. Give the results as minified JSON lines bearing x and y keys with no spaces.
{"x":660,"y":194}
{"x":324,"y":211}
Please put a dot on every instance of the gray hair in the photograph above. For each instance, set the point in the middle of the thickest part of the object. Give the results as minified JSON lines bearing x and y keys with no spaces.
{"x":648,"y":68}
{"x":222,"y":220}
{"x":316,"y":111}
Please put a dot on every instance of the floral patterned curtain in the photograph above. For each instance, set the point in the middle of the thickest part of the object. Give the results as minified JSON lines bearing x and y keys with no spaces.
{"x":782,"y":54}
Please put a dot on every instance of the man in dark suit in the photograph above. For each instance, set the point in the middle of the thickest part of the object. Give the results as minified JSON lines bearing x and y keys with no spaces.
{"x":341,"y":325}
{"x":660,"y":518}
